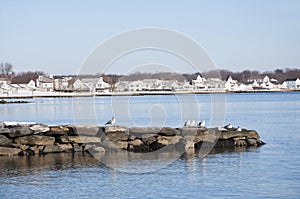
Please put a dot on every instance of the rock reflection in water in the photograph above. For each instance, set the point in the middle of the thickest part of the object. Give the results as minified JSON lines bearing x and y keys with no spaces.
{"x":12,"y":166}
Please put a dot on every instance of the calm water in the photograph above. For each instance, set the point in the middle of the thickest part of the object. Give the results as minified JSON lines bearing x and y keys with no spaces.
{"x":271,"y":171}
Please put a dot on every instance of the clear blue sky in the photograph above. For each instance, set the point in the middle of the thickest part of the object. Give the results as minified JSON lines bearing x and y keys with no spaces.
{"x":56,"y":36}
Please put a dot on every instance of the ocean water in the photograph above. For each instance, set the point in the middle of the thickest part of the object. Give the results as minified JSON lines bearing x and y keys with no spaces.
{"x":270,"y":171}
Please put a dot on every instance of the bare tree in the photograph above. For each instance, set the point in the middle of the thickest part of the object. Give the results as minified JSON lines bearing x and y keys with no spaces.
{"x":6,"y":69}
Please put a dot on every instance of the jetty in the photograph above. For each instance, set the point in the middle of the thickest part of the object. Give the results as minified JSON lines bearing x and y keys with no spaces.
{"x":27,"y":139}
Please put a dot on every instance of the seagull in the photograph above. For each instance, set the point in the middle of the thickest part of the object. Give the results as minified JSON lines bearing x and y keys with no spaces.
{"x":111,"y":122}
{"x":187,"y":123}
{"x":192,"y":123}
{"x":239,"y":128}
{"x":222,"y":129}
{"x":228,"y":126}
{"x":202,"y":123}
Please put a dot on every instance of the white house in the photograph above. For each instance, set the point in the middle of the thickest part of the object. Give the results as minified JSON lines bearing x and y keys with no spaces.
{"x":45,"y":84}
{"x":121,"y":86}
{"x":62,"y":83}
{"x":102,"y":86}
{"x":5,"y":88}
{"x":79,"y":86}
{"x":231,"y":85}
{"x":198,"y":83}
{"x":293,"y":83}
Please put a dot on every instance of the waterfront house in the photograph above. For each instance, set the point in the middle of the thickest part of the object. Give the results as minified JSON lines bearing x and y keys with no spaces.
{"x":231,"y":85}
{"x":62,"y":84}
{"x":79,"y":86}
{"x":121,"y":86}
{"x":45,"y":84}
{"x":5,"y":88}
{"x":102,"y":86}
{"x":292,"y":83}
{"x":199,"y":83}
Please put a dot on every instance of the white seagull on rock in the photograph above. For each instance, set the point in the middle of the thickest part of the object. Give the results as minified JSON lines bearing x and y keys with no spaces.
{"x":111,"y":122}
{"x":192,"y":123}
{"x":202,"y":123}
{"x":187,"y":123}
{"x":239,"y":128}
{"x":228,"y":126}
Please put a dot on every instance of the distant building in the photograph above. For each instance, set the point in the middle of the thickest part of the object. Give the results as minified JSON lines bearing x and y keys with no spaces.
{"x":198,"y":83}
{"x":79,"y":86}
{"x":293,"y":83}
{"x":45,"y":84}
{"x":102,"y":86}
{"x":62,"y":84}
{"x":231,"y":85}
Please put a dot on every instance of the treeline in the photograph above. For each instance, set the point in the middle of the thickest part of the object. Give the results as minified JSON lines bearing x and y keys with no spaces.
{"x":6,"y":70}
{"x":279,"y":74}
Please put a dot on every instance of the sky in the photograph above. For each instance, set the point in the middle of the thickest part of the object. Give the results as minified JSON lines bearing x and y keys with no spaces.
{"x":58,"y":36}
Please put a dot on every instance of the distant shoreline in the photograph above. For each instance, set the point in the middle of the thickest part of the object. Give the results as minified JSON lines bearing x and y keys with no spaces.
{"x":140,"y":93}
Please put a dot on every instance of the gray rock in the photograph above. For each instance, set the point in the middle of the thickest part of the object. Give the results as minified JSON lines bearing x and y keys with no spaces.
{"x":39,"y":128}
{"x":7,"y":151}
{"x":148,"y":141}
{"x":112,"y":129}
{"x":136,"y":142}
{"x":252,"y":142}
{"x":142,"y":132}
{"x":57,"y":131}
{"x":91,"y":148}
{"x":85,"y":130}
{"x":35,"y":140}
{"x":19,"y":131}
{"x":4,"y":141}
{"x":57,"y":148}
{"x":245,"y":133}
{"x":84,"y":139}
{"x":4,"y":131}
{"x":121,"y":145}
{"x":117,"y":136}
{"x":167,"y":140}
{"x":167,"y":131}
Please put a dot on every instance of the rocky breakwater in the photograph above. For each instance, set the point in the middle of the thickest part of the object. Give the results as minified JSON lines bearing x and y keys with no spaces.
{"x":32,"y":139}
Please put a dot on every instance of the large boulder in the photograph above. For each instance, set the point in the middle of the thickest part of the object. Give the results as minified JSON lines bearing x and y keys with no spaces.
{"x":167,"y":140}
{"x":244,"y":133}
{"x":57,"y":131}
{"x":167,"y":131}
{"x":86,"y":130}
{"x":144,"y":132}
{"x":39,"y":128}
{"x":57,"y":148}
{"x":113,"y":129}
{"x":84,"y":139}
{"x":19,"y":131}
{"x":4,"y":131}
{"x":35,"y":140}
{"x":7,"y":151}
{"x":4,"y":141}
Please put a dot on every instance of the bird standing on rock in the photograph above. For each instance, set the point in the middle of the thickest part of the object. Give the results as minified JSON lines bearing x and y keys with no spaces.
{"x":239,"y":128}
{"x":192,"y":123}
{"x":202,"y":123}
{"x":228,"y":126}
{"x":111,"y":122}
{"x":187,"y":123}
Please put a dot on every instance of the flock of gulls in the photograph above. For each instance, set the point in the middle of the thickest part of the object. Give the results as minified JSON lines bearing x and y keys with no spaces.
{"x":191,"y":123}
